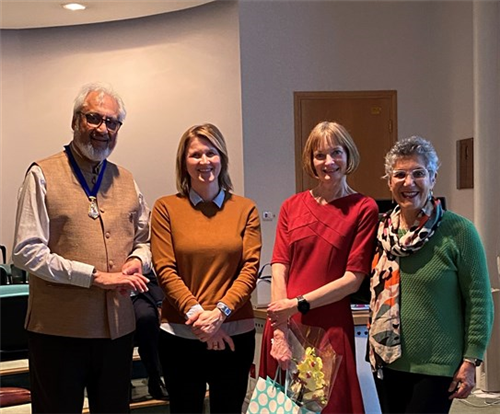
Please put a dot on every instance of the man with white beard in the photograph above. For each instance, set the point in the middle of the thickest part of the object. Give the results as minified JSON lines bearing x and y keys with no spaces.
{"x":82,"y":233}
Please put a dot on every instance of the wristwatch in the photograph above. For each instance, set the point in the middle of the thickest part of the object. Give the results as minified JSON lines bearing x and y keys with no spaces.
{"x":475,"y":361}
{"x":303,"y":305}
{"x":224,"y":308}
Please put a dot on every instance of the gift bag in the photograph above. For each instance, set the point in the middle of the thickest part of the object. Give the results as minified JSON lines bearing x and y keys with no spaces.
{"x":270,"y":397}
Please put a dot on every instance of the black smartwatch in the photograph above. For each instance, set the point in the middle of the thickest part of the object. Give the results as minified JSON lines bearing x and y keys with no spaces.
{"x":303,"y":305}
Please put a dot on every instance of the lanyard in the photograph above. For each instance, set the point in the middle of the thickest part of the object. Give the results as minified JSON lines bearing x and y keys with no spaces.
{"x":91,"y":194}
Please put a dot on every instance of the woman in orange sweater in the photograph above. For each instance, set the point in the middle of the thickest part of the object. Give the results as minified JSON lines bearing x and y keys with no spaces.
{"x":206,"y":248}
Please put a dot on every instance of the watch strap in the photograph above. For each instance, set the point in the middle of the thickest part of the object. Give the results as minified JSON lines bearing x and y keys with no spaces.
{"x":475,"y":361}
{"x":224,"y":308}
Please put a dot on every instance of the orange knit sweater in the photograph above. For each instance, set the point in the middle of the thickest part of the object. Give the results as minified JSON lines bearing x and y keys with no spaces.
{"x":203,"y":255}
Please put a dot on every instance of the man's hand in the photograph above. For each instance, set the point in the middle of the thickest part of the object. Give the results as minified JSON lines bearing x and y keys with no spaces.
{"x":132,"y":266}
{"x":205,"y":324}
{"x":121,"y":282}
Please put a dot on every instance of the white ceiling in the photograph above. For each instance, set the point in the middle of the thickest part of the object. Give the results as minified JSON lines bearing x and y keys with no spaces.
{"x":15,"y":14}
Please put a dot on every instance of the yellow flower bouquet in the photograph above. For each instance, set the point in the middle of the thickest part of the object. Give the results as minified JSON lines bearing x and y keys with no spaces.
{"x":313,"y":368}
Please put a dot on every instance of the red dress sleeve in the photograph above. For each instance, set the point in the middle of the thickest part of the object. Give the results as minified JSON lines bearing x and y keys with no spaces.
{"x":281,"y":250}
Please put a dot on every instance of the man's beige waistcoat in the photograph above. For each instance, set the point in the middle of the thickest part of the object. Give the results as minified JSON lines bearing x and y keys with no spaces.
{"x":105,"y":243}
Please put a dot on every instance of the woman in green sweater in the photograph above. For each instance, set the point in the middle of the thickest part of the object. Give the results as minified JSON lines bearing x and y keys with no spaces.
{"x":431,"y":305}
{"x":206,"y":248}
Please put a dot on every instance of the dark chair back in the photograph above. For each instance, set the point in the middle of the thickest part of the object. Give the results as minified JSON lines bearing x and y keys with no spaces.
{"x":18,"y":275}
{"x":4,"y":253}
{"x":5,"y":276}
{"x":13,"y":308}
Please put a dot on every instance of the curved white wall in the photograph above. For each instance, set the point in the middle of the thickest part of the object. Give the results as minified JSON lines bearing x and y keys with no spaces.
{"x":182,"y":68}
{"x":172,"y":70}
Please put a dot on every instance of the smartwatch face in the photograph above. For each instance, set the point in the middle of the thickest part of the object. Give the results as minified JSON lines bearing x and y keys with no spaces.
{"x":303,"y":305}
{"x":225,"y":310}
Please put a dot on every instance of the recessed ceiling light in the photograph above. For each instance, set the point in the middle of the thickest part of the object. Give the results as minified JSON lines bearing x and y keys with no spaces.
{"x":74,"y":6}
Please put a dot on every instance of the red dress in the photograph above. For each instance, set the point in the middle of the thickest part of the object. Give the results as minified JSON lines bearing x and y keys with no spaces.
{"x":319,"y":243}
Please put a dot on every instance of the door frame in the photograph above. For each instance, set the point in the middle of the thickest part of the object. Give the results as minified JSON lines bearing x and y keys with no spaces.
{"x":298,"y":97}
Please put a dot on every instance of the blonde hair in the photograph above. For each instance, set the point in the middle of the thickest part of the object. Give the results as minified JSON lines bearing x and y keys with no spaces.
{"x":214,"y":136}
{"x":330,"y":133}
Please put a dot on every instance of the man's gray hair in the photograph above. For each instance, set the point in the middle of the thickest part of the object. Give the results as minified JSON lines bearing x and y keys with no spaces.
{"x":103,"y":89}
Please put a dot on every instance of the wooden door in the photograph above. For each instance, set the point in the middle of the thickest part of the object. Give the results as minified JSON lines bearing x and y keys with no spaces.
{"x":371,"y":119}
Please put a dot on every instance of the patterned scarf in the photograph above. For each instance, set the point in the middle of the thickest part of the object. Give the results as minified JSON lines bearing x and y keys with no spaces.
{"x":385,"y":339}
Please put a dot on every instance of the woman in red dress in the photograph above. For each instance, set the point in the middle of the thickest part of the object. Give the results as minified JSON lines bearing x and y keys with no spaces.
{"x":322,"y":253}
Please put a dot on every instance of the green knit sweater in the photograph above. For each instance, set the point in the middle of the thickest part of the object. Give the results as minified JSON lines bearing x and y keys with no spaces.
{"x":446,"y":301}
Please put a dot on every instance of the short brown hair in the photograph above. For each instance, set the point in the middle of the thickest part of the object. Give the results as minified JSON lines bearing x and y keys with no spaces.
{"x":333,"y":134}
{"x":214,"y":136}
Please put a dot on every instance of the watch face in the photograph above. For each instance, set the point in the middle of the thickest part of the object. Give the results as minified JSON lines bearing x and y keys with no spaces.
{"x":303,"y":305}
{"x":224,"y":309}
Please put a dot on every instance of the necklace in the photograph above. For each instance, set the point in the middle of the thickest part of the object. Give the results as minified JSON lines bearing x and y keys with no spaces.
{"x":323,"y":200}
{"x":91,"y":194}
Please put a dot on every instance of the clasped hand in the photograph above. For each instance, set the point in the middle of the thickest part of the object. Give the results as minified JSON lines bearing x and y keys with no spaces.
{"x":206,"y":325}
{"x":129,"y":279}
{"x":280,"y":350}
{"x":219,"y":340}
{"x":280,"y":311}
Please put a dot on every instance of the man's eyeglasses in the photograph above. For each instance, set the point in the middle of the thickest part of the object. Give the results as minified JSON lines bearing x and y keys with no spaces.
{"x":416,"y":174}
{"x":95,"y":120}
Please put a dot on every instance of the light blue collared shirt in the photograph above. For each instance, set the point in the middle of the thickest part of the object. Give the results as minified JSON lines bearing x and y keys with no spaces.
{"x":196,"y":199}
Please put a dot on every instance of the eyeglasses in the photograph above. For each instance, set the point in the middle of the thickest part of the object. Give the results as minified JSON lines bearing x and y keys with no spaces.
{"x":95,"y":120}
{"x":416,"y":174}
